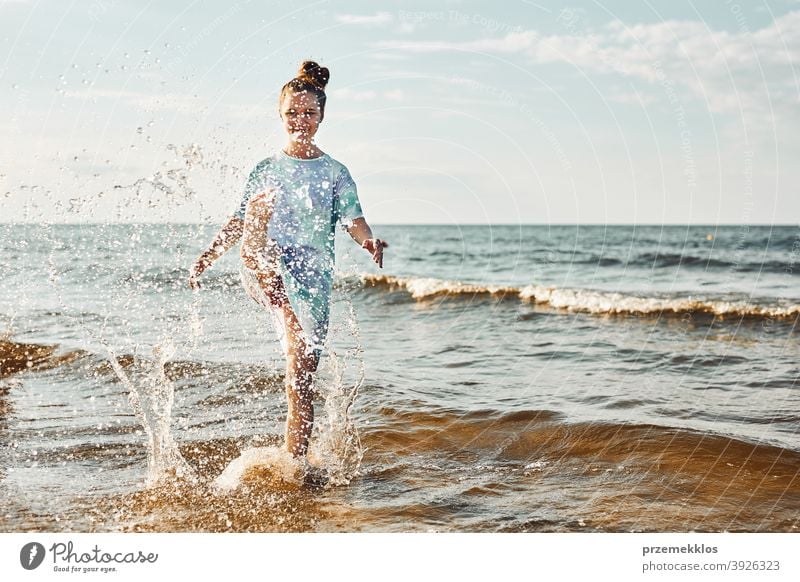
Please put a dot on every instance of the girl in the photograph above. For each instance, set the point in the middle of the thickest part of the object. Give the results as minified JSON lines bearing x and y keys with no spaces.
{"x":286,"y":221}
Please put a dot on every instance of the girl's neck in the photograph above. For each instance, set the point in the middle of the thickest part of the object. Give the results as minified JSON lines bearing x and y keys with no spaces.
{"x":304,"y":151}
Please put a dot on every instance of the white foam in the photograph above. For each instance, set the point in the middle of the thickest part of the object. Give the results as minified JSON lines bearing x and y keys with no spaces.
{"x":599,"y":302}
{"x":426,"y":287}
{"x":278,"y":461}
{"x":422,"y":287}
{"x":589,"y":300}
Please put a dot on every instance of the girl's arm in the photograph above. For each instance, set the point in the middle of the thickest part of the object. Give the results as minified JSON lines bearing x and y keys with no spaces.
{"x":228,"y":236}
{"x":362,"y":234}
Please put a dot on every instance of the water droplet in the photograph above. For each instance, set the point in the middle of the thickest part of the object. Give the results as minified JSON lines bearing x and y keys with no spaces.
{"x":139,"y":130}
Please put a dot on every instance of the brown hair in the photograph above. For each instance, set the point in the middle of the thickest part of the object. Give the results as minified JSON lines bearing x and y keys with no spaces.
{"x":310,"y":77}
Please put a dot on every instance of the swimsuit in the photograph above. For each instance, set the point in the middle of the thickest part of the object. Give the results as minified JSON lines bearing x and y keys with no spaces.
{"x":312,"y":196}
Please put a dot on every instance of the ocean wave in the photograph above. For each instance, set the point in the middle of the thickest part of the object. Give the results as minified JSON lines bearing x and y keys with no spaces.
{"x":523,"y":435}
{"x":709,"y":263}
{"x":584,"y":300}
{"x":425,"y":287}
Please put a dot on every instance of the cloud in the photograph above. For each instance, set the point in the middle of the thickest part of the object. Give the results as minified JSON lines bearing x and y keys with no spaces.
{"x":354,"y":94}
{"x":387,"y":56}
{"x":144,"y":101}
{"x":347,"y":93}
{"x":744,"y":72}
{"x":630,"y":97}
{"x":376,"y":19}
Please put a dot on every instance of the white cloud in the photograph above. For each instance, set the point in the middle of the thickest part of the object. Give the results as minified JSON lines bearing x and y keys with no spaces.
{"x":364,"y":20}
{"x":630,"y":97}
{"x":740,"y":72}
{"x":354,"y":94}
{"x":394,"y":95}
{"x":144,"y":101}
{"x":386,"y":56}
{"x":358,"y":95}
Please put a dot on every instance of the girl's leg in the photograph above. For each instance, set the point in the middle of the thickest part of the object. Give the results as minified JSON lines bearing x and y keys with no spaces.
{"x":258,"y":252}
{"x":260,"y":255}
{"x":300,"y":368}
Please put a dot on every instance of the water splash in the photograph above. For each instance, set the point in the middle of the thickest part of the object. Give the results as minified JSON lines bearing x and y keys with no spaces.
{"x":273,"y":465}
{"x":336,"y":446}
{"x":195,"y":322}
{"x":335,"y":451}
{"x":151,"y":395}
{"x":172,"y":185}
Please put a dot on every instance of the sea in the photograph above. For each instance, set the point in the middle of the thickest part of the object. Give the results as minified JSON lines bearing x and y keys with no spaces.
{"x":506,"y":378}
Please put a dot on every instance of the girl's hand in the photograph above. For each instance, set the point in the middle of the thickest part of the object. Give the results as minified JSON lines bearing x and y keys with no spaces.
{"x":375,"y":247}
{"x":194,"y":273}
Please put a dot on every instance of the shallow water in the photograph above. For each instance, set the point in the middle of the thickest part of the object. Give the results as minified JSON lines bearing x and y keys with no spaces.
{"x":504,"y":379}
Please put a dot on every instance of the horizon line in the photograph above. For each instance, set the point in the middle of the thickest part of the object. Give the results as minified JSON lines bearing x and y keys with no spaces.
{"x":41,"y":223}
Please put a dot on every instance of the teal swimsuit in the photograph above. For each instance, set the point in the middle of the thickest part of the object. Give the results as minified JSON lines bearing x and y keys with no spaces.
{"x":312,"y":196}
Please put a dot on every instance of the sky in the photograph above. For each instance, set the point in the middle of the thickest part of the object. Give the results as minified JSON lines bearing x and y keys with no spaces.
{"x":449,"y":112}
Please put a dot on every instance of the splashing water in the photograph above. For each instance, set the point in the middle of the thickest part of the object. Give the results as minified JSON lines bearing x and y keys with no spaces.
{"x":152,"y":399}
{"x":276,"y":465}
{"x":335,"y":450}
{"x":337,"y":445}
{"x":195,"y":323}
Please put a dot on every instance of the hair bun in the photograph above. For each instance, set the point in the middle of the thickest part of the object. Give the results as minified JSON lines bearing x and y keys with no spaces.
{"x":313,"y":73}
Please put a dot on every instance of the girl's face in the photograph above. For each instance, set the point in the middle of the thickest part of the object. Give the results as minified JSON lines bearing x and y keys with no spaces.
{"x":301,"y":116}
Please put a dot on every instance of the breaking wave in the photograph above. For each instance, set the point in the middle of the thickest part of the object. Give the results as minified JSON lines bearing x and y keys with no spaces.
{"x":585,"y":300}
